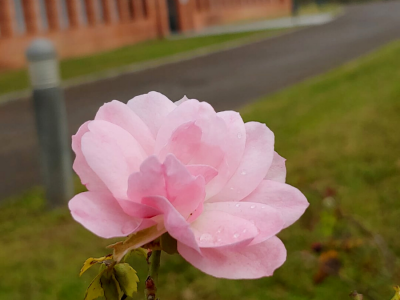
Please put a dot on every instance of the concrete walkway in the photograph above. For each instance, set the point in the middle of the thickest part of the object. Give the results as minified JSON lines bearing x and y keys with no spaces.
{"x":281,"y":23}
{"x":227,"y":80}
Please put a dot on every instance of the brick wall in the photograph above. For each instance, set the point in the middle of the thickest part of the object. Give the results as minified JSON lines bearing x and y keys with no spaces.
{"x":213,"y":12}
{"x":83,"y":27}
{"x":92,"y":26}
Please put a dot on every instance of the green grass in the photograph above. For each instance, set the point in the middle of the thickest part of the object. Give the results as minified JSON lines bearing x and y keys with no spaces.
{"x":339,"y":133}
{"x":11,"y":81}
{"x":312,"y":8}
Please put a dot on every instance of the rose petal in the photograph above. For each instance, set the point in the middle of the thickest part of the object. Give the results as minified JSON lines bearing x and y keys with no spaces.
{"x":170,"y":180}
{"x":174,"y":223}
{"x":207,"y":172}
{"x":149,"y":181}
{"x":113,"y":154}
{"x":249,"y":262}
{"x":203,"y":116}
{"x":218,"y":229}
{"x":121,"y":115}
{"x":88,"y":177}
{"x":152,"y":108}
{"x":184,"y":143}
{"x":256,"y":160}
{"x":185,"y":191}
{"x":233,"y":146}
{"x":101,"y":214}
{"x":288,"y":200}
{"x":266,"y":219}
{"x":138,"y":210}
{"x":277,"y":171}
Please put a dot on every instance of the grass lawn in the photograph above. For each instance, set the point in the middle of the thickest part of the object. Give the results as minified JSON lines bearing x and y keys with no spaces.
{"x":312,"y":8}
{"x":11,"y":81}
{"x":339,"y":133}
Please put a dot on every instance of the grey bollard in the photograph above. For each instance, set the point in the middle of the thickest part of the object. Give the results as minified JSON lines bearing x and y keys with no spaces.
{"x":51,"y":122}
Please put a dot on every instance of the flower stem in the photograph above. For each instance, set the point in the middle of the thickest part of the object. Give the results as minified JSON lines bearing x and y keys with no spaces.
{"x":152,"y":278}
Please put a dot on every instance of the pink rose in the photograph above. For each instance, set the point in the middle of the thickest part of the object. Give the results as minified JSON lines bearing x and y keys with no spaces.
{"x":211,"y":181}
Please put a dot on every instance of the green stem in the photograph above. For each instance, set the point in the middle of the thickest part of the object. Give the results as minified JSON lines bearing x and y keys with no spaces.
{"x":152,"y":279}
{"x":155,"y":265}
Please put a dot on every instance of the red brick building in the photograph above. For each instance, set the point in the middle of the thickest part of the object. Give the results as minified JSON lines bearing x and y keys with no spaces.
{"x":79,"y":27}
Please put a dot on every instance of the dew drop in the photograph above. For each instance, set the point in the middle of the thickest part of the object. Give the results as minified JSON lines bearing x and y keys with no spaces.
{"x":205,"y":237}
{"x":237,"y":205}
{"x":253,"y":206}
{"x":236,"y":235}
{"x":239,"y":135}
{"x":219,"y":230}
{"x":263,"y":206}
{"x":244,"y":172}
{"x":244,"y":230}
{"x":219,"y":240}
{"x":231,"y":188}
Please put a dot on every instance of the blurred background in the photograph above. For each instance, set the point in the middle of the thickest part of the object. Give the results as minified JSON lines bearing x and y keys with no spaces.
{"x":324,"y":76}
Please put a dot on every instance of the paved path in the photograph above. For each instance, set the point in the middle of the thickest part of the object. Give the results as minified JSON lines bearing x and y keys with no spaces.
{"x":227,"y":80}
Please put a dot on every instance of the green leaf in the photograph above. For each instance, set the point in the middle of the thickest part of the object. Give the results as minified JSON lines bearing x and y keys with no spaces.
{"x":168,"y":244}
{"x":397,"y":295}
{"x":134,"y":241}
{"x":140,"y":252}
{"x":127,"y":278}
{"x":110,"y":286}
{"x":92,"y":261}
{"x":94,"y":290}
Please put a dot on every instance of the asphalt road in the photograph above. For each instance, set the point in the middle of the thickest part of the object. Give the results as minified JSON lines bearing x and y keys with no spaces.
{"x":227,"y":80}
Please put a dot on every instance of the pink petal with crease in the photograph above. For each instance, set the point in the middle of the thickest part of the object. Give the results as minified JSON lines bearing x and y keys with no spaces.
{"x":266,"y":219}
{"x":288,"y":200}
{"x":256,"y":160}
{"x":88,"y":177}
{"x":207,"y":172}
{"x":213,"y":129}
{"x":249,"y":262}
{"x":277,"y":171}
{"x":102,"y":215}
{"x":152,"y":108}
{"x":174,"y":223}
{"x":218,"y":229}
{"x":138,"y":210}
{"x":170,"y":180}
{"x":233,"y":147}
{"x":184,"y":143}
{"x":113,"y":154}
{"x":121,"y":115}
{"x":149,"y":181}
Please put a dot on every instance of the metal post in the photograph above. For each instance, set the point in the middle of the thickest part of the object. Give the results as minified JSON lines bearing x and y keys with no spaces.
{"x":51,"y":122}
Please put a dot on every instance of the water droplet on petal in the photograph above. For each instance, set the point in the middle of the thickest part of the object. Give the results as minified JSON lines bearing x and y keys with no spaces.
{"x":236,"y":235}
{"x":219,"y":230}
{"x":205,"y":237}
{"x":263,"y":206}
{"x":239,"y":135}
{"x":253,"y":206}
{"x":231,"y":188}
{"x":219,"y":240}
{"x":237,"y":205}
{"x":244,"y":230}
{"x":244,"y":172}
